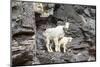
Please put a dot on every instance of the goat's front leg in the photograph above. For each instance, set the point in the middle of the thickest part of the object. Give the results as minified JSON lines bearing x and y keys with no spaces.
{"x":48,"y":45}
{"x":57,"y":46}
{"x":64,"y":47}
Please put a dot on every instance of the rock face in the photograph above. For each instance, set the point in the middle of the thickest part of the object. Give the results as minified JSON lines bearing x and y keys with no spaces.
{"x":28,"y":44}
{"x":23,"y":30}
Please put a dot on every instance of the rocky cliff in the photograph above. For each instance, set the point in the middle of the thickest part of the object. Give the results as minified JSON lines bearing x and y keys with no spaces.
{"x":28,"y":46}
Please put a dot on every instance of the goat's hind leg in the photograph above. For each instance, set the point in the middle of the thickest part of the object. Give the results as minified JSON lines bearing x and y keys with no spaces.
{"x":50,"y":46}
{"x":57,"y":46}
{"x":51,"y":49}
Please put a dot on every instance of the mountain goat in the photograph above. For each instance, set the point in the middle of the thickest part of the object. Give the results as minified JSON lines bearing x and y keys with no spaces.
{"x":64,"y":41}
{"x":54,"y":34}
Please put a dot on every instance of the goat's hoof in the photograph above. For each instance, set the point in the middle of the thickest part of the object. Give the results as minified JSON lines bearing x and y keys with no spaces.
{"x":64,"y":51}
{"x":50,"y":51}
{"x":58,"y":51}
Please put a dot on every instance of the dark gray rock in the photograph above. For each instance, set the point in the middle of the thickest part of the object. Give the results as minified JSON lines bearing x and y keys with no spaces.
{"x":18,"y":48}
{"x":23,"y":43}
{"x":80,"y":45}
{"x":74,"y":30}
{"x":82,"y":56}
{"x":87,"y":12}
{"x":63,"y":12}
{"x":54,"y":57}
{"x":76,"y":42}
{"x":40,"y":40}
{"x":28,"y":15}
{"x":20,"y":31}
{"x":79,"y":9}
{"x":90,"y":25}
{"x":21,"y":58}
{"x":93,"y":12}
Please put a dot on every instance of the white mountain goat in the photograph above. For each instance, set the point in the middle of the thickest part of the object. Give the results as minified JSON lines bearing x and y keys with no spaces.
{"x":64,"y":41}
{"x":54,"y":34}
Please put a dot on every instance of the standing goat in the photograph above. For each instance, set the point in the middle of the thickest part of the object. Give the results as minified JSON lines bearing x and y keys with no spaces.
{"x":64,"y":41}
{"x":54,"y":34}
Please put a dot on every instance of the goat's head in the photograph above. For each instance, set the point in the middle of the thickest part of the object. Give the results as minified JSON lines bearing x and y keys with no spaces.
{"x":66,"y":25}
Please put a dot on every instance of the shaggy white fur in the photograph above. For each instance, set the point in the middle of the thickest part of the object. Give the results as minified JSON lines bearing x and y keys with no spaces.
{"x":64,"y":41}
{"x":54,"y":34}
